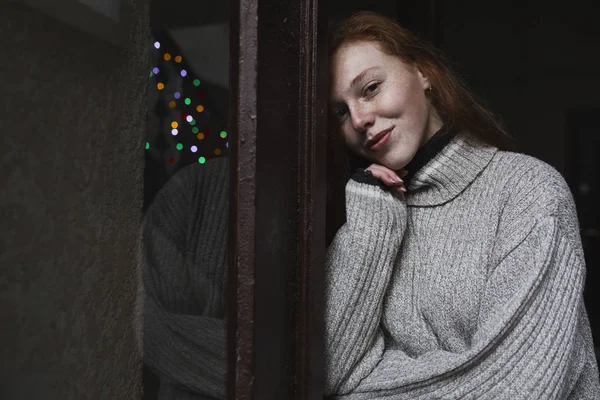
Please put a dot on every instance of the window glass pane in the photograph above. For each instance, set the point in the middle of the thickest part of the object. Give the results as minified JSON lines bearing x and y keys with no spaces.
{"x":186,"y":200}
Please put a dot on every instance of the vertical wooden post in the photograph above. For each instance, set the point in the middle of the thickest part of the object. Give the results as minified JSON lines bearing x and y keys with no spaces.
{"x":242,"y":193}
{"x":312,"y":197}
{"x":277,"y":199}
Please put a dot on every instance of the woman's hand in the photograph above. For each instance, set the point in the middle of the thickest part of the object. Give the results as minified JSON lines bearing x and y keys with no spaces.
{"x":389,"y":177}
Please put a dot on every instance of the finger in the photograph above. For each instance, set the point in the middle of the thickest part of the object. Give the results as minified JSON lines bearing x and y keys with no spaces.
{"x":400,"y":187}
{"x":399,"y":191}
{"x":385,"y":175}
{"x":392,"y":180}
{"x":396,"y":180}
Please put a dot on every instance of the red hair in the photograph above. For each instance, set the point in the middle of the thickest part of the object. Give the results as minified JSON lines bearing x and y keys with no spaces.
{"x":453,"y":101}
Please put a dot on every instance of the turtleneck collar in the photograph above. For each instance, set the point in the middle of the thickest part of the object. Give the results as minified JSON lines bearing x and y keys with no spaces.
{"x":428,"y":151}
{"x":444,"y":167}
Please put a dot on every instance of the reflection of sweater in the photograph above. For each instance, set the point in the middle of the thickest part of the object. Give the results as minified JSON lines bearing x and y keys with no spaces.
{"x":184,"y":268}
{"x":469,"y":288}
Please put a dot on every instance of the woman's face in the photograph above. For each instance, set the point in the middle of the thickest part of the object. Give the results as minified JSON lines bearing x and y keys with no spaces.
{"x":380,"y":104}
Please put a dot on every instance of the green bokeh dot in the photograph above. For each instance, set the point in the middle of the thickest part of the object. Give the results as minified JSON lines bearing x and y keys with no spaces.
{"x":147,"y":145}
{"x":193,"y":122}
{"x":187,"y":101}
{"x":223,"y":134}
{"x":196,"y":82}
{"x":195,"y":129}
{"x":179,"y":146}
{"x":202,"y":160}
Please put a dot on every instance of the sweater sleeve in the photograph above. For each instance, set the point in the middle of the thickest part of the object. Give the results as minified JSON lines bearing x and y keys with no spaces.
{"x":532,"y":341}
{"x":184,"y":347}
{"x":358,"y":268}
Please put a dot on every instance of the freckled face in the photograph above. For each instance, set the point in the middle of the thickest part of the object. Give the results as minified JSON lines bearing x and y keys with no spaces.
{"x":380,"y":103}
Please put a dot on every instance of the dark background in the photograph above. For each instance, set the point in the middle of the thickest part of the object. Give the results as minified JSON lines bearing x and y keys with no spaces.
{"x":533,"y":62}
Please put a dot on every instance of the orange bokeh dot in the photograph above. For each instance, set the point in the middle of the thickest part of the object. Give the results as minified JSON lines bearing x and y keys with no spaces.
{"x":174,"y":124}
{"x":218,"y":152}
{"x":167,"y":56}
{"x":200,"y":136}
{"x":200,"y":108}
{"x":172,"y":104}
{"x":160,"y":86}
{"x":178,"y":59}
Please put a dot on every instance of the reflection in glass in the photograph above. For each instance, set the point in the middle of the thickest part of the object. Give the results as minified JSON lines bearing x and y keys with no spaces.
{"x":185,"y":223}
{"x":185,"y":246}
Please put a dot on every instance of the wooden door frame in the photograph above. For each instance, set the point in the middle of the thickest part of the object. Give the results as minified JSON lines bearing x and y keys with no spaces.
{"x":277,"y":199}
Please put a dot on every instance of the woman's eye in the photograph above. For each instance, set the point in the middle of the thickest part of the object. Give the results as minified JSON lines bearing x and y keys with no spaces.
{"x":371,"y":88}
{"x":340,"y":113}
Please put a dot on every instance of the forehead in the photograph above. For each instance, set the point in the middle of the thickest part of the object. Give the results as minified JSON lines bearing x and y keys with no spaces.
{"x":353,"y":58}
{"x":355,"y":55}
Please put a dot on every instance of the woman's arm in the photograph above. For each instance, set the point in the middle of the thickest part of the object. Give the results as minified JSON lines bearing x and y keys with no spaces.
{"x":532,"y":344}
{"x":184,"y":348}
{"x":359,"y":264}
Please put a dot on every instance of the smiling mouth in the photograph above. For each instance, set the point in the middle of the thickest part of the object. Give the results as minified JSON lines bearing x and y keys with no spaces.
{"x":379,"y":140}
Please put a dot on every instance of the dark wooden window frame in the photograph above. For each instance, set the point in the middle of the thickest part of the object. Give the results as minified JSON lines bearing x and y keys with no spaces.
{"x":277,"y":199}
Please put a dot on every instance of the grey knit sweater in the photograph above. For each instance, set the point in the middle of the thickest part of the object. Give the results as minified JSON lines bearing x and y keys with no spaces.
{"x":468,"y":288}
{"x":184,"y":264}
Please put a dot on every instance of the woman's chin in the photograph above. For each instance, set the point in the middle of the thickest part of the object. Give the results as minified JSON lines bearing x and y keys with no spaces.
{"x":394,"y":165}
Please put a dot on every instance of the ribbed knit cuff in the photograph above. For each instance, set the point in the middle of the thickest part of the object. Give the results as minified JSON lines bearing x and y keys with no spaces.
{"x":370,"y":204}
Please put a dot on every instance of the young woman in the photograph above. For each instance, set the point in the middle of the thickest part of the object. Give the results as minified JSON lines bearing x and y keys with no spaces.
{"x":459,"y":271}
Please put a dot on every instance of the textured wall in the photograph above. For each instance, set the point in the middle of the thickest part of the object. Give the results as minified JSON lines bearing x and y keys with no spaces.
{"x":72,"y":118}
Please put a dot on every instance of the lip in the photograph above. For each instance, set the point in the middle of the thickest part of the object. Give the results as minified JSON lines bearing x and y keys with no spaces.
{"x":379,"y":140}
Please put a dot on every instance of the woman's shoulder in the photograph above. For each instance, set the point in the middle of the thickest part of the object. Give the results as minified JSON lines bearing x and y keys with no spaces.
{"x":524,"y":166}
{"x":192,"y":182}
{"x":531,"y":187}
{"x":196,"y":172}
{"x":522,"y":172}
{"x":190,"y":177}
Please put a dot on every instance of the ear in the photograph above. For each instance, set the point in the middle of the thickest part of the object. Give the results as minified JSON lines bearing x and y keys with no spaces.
{"x":425,"y":83}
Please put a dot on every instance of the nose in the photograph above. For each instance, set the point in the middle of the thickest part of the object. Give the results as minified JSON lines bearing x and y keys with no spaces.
{"x":362,"y":117}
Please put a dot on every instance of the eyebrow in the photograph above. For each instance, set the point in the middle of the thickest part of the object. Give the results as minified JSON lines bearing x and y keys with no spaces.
{"x":360,"y":76}
{"x":357,"y":78}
